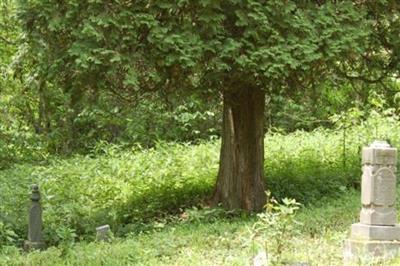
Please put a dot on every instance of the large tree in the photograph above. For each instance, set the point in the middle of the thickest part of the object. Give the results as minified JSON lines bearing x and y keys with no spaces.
{"x":240,"y":49}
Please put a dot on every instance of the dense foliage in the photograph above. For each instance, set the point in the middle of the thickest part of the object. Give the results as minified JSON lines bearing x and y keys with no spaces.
{"x":94,"y":70}
{"x":116,"y":98}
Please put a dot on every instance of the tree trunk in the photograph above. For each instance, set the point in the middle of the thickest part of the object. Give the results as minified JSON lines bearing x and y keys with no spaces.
{"x":240,"y":183}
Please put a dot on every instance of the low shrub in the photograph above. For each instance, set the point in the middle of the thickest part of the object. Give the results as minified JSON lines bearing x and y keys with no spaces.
{"x":20,"y":145}
{"x":276,"y":226}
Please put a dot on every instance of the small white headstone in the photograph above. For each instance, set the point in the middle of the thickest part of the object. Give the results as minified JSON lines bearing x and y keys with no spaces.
{"x":103,"y":233}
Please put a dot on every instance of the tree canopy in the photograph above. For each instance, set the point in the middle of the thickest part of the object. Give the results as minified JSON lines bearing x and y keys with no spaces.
{"x":240,"y":49}
{"x":134,"y":46}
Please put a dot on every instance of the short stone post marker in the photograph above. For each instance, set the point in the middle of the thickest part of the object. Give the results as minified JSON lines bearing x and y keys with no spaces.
{"x":103,"y":233}
{"x":376,"y":236}
{"x":35,"y":236}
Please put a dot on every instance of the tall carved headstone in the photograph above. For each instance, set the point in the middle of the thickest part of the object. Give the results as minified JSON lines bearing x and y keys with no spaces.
{"x":35,"y":235}
{"x":377,"y":235}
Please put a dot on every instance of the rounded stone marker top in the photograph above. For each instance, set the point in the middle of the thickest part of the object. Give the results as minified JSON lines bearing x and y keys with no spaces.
{"x":380,"y":144}
{"x":35,"y":196}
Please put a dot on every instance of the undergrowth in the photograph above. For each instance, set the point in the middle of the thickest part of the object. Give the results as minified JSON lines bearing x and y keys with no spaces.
{"x":130,"y":189}
{"x":204,"y":236}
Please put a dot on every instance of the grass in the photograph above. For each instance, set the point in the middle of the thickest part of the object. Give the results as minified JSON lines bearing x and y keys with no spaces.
{"x":149,"y":198}
{"x":205,"y":241}
{"x":127,"y":188}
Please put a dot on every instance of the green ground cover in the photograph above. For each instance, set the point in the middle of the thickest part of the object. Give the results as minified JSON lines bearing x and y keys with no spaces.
{"x":145,"y":196}
{"x":205,"y":237}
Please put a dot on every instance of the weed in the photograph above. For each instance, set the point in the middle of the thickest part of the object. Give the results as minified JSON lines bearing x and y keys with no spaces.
{"x":277,"y":226}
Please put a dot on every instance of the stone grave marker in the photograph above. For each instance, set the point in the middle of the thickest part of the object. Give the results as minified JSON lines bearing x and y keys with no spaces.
{"x":35,"y":225}
{"x":376,"y":236}
{"x":103,"y":233}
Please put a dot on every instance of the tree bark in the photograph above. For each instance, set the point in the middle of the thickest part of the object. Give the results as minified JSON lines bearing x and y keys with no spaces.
{"x":240,"y":183}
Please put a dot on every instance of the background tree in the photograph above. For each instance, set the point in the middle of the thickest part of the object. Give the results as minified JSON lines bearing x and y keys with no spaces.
{"x":242,"y":50}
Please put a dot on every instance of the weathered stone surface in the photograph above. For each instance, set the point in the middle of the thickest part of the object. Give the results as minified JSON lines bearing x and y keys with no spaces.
{"x":385,"y":193}
{"x":379,"y":152}
{"x":378,"y":188}
{"x":361,"y":231}
{"x":103,"y":233}
{"x":362,"y":252}
{"x":35,"y":235}
{"x":378,"y":216}
{"x":377,"y":236}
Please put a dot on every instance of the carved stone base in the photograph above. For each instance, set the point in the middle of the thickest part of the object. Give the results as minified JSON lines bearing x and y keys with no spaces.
{"x":361,"y":252}
{"x":28,"y":246}
{"x":375,"y":232}
{"x":379,"y":215}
